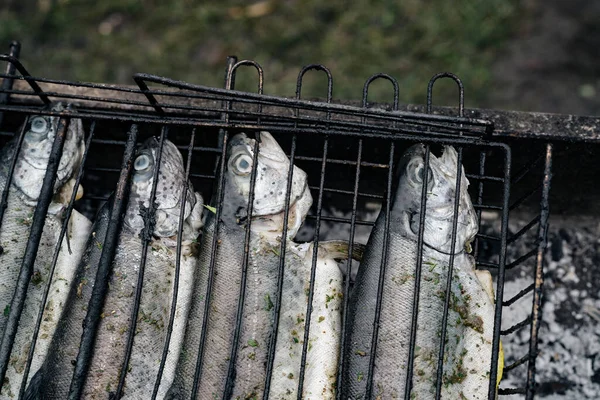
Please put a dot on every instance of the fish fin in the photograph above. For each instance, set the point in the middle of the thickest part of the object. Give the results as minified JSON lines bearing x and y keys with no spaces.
{"x":35,"y":389}
{"x":485,"y":278}
{"x":338,"y":249}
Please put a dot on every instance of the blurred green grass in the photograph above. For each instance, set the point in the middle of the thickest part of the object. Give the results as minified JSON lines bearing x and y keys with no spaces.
{"x":107,"y":41}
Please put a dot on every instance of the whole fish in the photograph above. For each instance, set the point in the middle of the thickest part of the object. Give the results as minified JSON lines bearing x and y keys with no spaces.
{"x":53,"y":380}
{"x":470,"y":324}
{"x":23,"y":194}
{"x":261,"y":287}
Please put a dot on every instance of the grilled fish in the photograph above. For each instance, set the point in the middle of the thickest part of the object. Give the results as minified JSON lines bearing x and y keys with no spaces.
{"x":470,"y":324}
{"x":23,"y":194}
{"x":249,"y":365}
{"x":53,"y":380}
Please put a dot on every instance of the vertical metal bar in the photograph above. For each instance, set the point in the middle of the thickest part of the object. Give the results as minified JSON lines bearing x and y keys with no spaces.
{"x":7,"y":83}
{"x":384,"y":261}
{"x":177,"y":266}
{"x":229,"y":84}
{"x":501,"y":273}
{"x":536,"y":312}
{"x":35,"y":236}
{"x":229,"y":384}
{"x":342,"y":363}
{"x":146,"y":237}
{"x":63,"y":231}
{"x":313,"y":269}
{"x":211,"y":268}
{"x":440,"y":366}
{"x":92,"y":318}
{"x":417,"y":288}
{"x":482,"y":159}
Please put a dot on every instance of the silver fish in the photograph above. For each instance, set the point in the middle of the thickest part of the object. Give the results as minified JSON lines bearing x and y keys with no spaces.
{"x":261,"y":286}
{"x":53,"y":380}
{"x":24,"y":191}
{"x":471,"y":314}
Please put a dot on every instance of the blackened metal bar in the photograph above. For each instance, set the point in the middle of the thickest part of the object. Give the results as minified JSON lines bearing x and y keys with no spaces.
{"x":11,"y":171}
{"x":35,"y":236}
{"x":516,"y":327}
{"x":182,"y":205}
{"x":486,"y":207}
{"x":345,"y":162}
{"x":518,"y":296}
{"x":342,"y":363}
{"x":481,"y":176}
{"x":92,"y":318}
{"x":383,"y":268}
{"x":508,"y":392}
{"x":349,"y":192}
{"x":486,"y":264}
{"x":417,"y":286}
{"x":63,"y":231}
{"x":146,"y":238}
{"x":30,"y":80}
{"x":522,"y":173}
{"x":522,"y":259}
{"x":226,"y":104}
{"x":524,"y":198}
{"x":514,"y":365}
{"x":146,"y":91}
{"x":536,"y":313}
{"x":211,"y":269}
{"x":230,"y":382}
{"x":524,"y":229}
{"x":342,"y":220}
{"x":482,"y":158}
{"x":313,"y":272}
{"x":280,"y":272}
{"x":282,"y":250}
{"x":313,"y":268}
{"x":487,"y":237}
{"x":7,"y":83}
{"x":440,"y":366}
{"x":501,"y":272}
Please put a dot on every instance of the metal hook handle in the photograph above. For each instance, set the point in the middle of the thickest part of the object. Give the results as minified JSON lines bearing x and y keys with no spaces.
{"x":461,"y":91}
{"x":317,"y":67}
{"x":252,"y":63}
{"x":373,"y":78}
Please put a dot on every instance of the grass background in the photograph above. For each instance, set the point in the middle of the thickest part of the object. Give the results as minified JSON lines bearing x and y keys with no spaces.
{"x":109,"y":40}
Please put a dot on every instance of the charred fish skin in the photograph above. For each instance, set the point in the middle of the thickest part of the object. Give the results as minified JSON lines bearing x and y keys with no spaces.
{"x":157,"y":290}
{"x":25,"y":186}
{"x":471,"y":310}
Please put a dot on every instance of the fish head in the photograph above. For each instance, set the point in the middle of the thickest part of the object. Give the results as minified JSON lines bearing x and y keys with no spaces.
{"x":39,"y":134}
{"x":270,"y":189}
{"x":169,"y":189}
{"x":442,"y":174}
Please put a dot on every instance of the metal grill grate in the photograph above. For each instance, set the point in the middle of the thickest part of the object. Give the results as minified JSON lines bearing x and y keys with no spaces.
{"x":350,"y":154}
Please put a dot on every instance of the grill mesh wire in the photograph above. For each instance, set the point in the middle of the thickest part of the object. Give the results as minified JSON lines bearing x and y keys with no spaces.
{"x":348,"y":152}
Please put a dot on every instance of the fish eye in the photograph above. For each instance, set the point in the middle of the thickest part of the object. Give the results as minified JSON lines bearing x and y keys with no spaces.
{"x":39,"y":125}
{"x":242,"y":164}
{"x":420,"y":174}
{"x":142,"y":162}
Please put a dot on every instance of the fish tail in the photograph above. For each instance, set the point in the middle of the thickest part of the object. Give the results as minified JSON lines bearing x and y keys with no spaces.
{"x":35,"y":389}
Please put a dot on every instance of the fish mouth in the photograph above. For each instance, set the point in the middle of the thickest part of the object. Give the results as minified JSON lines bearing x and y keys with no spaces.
{"x":297,"y":211}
